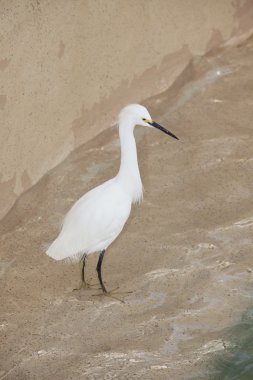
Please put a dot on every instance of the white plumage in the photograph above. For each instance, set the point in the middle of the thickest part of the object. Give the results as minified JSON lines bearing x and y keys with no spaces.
{"x":99,"y":216}
{"x":93,"y":222}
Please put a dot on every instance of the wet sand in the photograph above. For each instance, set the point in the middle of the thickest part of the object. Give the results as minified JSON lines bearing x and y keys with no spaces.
{"x":185,"y":253}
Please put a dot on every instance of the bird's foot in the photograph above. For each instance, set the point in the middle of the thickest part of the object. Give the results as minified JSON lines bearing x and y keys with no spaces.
{"x":111,"y":294}
{"x":83,"y":285}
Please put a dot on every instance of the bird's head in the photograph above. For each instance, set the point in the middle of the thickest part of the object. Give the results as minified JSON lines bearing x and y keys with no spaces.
{"x":139,"y":115}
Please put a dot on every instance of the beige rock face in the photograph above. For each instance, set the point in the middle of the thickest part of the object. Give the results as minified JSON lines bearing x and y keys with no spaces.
{"x":67,"y":67}
{"x":184,"y":258}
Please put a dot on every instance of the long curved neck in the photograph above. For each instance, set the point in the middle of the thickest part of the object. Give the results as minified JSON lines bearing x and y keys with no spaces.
{"x":129,"y":174}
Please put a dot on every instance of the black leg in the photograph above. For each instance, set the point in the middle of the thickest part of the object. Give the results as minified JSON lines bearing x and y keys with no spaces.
{"x":83,"y":284}
{"x":83,"y":266}
{"x":99,"y":266}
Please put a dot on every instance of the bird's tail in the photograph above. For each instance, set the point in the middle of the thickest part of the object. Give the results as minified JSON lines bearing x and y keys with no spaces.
{"x":58,"y":251}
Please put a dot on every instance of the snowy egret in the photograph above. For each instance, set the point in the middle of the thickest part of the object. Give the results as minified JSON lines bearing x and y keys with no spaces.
{"x":99,"y":216}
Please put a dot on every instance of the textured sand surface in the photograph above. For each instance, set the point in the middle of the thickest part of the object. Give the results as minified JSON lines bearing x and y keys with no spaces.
{"x":185,"y":253}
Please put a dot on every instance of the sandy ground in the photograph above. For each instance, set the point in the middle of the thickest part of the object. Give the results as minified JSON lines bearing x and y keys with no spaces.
{"x":185,"y":253}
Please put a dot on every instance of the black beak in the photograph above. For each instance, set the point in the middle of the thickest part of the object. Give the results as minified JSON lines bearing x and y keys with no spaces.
{"x":158,"y":126}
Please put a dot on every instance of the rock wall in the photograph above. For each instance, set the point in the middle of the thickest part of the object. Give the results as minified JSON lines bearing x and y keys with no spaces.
{"x":67,"y":67}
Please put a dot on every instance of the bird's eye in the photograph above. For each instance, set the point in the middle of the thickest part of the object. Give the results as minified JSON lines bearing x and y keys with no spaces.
{"x":144,"y":119}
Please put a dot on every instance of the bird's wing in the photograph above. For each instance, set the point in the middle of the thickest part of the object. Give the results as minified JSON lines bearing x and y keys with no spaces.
{"x":93,"y":222}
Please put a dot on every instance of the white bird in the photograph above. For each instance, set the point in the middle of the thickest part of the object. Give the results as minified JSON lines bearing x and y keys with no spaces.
{"x":99,"y":216}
